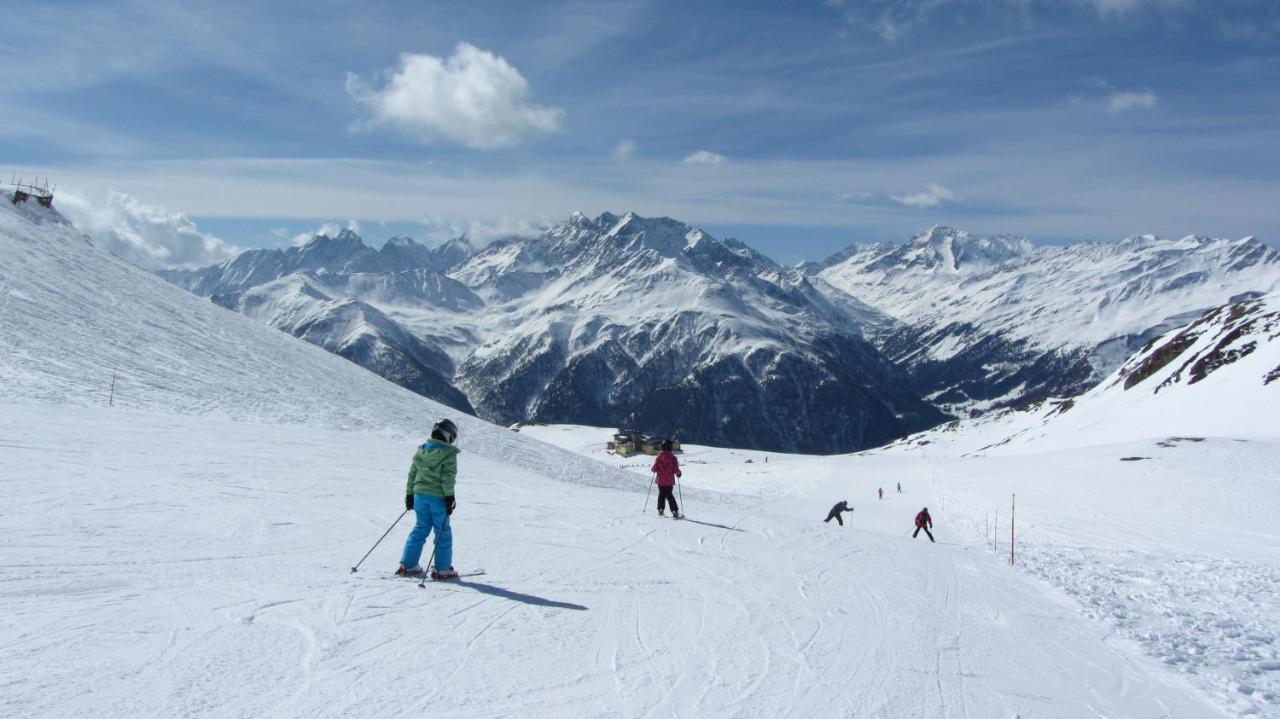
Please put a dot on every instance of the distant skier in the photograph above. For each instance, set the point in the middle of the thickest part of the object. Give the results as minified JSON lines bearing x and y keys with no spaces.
{"x":923,"y":521}
{"x":667,"y":468}
{"x":899,"y":487}
{"x":881,"y":491}
{"x":429,"y":494}
{"x":843,"y":506}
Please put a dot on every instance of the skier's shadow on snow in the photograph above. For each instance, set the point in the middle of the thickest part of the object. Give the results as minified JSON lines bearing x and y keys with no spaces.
{"x":518,"y":597}
{"x":713,"y":524}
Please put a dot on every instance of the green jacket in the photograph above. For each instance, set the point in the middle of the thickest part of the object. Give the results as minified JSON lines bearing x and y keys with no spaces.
{"x":434,"y":469}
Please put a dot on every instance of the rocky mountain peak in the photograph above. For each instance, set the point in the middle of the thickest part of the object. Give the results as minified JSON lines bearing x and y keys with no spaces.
{"x":401,"y":241}
{"x":345,"y":241}
{"x":343,"y":252}
{"x":405,"y":253}
{"x":956,"y":250}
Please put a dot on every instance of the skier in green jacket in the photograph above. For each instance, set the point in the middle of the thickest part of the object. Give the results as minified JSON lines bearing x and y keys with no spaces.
{"x":429,"y":493}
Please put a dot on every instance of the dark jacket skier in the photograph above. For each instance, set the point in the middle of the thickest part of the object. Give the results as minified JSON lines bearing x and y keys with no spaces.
{"x":923,"y":521}
{"x":843,"y":506}
{"x":666,"y":468}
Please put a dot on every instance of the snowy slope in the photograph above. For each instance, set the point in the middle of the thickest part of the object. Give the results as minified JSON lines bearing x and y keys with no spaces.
{"x":75,"y":320}
{"x":305,"y":307}
{"x":996,"y":321}
{"x":215,"y":582}
{"x":1177,"y":556}
{"x":209,"y":519}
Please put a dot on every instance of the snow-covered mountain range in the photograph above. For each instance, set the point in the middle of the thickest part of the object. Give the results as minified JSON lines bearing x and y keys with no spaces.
{"x":625,"y":320}
{"x":996,"y":321}
{"x":611,"y":320}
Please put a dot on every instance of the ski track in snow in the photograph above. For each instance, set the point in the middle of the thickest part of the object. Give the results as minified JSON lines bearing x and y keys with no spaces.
{"x":1198,"y":588}
{"x":212,"y":578}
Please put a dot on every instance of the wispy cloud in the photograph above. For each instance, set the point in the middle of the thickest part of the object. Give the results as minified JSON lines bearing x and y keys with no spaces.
{"x":624,"y":150}
{"x":479,"y":232}
{"x":932,"y":196}
{"x":893,"y":20}
{"x":1072,"y":200}
{"x":473,"y":97}
{"x":1129,"y":100}
{"x":150,"y":237}
{"x":1120,"y":8}
{"x":705,"y":157}
{"x":855,"y":196}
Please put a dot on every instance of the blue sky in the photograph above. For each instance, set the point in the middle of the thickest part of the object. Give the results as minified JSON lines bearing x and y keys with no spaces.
{"x":187,"y":130}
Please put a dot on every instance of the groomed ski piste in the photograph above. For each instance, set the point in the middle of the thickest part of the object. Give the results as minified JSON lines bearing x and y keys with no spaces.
{"x":181,"y":545}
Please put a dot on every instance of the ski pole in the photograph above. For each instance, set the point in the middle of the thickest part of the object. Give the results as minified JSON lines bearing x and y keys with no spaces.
{"x":680,"y":488}
{"x":422,"y":584}
{"x":646,"y":497}
{"x":375,"y":544}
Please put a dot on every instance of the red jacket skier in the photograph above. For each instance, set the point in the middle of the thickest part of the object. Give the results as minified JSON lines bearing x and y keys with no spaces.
{"x":923,"y":521}
{"x":667,"y":468}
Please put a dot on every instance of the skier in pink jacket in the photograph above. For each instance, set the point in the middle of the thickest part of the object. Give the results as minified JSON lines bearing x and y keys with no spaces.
{"x":667,"y":468}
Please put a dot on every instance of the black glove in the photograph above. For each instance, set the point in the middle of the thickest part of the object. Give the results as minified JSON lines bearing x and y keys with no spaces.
{"x":408,"y":502}
{"x":449,"y":504}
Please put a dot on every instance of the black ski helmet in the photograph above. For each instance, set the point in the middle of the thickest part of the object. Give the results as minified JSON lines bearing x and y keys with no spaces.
{"x":447,"y":429}
{"x":666,"y":445}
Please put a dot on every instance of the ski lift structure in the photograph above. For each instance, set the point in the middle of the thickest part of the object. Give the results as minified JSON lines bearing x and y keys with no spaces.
{"x":38,"y":190}
{"x":628,"y":442}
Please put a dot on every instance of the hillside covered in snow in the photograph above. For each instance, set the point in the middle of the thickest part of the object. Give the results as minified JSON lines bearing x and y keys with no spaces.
{"x":190,"y":534}
{"x":1217,"y":376}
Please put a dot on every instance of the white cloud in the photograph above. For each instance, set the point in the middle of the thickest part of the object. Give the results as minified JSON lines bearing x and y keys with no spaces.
{"x":624,"y":150}
{"x":474,"y":98}
{"x":1126,"y":101}
{"x":933,"y":196}
{"x":705,"y":157}
{"x":148,"y":236}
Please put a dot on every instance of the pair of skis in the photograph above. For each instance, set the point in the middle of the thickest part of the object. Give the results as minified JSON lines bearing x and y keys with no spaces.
{"x":422,"y":583}
{"x":425,"y":577}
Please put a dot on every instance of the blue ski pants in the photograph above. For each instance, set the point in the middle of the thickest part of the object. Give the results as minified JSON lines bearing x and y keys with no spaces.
{"x":431,"y":514}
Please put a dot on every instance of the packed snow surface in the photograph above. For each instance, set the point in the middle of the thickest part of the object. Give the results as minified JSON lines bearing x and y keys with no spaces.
{"x":171,"y":565}
{"x":182,"y":546}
